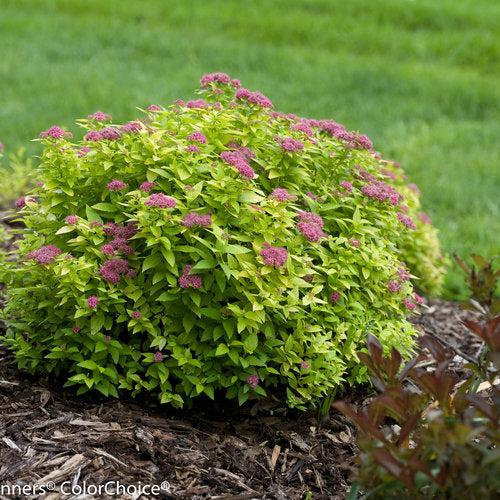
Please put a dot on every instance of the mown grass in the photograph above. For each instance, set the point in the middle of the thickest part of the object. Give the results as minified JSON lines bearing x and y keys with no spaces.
{"x":422,"y":78}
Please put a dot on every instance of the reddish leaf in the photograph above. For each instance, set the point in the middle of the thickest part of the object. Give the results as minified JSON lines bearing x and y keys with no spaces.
{"x":435,"y":348}
{"x":394,"y":363}
{"x":375,"y":349}
{"x":386,"y":460}
{"x":409,"y":365}
{"x":483,"y":405}
{"x":360,"y":420}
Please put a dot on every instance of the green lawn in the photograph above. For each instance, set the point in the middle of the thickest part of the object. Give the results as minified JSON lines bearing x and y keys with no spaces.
{"x":420,"y":77}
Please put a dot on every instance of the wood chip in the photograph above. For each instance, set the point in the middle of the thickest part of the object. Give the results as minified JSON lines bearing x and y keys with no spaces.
{"x":11,"y":444}
{"x":274,"y":457}
{"x":66,"y":470}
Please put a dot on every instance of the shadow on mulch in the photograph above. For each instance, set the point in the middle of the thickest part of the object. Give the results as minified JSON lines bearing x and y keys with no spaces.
{"x":48,"y":435}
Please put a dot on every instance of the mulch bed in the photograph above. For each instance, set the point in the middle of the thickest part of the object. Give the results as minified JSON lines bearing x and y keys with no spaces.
{"x":49,"y":436}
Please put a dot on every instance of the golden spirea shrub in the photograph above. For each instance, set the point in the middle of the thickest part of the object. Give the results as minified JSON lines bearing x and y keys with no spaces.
{"x":215,"y":247}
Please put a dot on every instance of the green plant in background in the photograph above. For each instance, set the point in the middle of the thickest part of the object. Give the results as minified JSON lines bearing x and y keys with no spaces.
{"x":215,"y":246}
{"x":5,"y":242}
{"x":16,"y":178}
{"x":446,"y":438}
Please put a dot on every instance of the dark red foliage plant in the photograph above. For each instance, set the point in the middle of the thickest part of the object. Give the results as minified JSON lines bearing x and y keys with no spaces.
{"x":428,"y":433}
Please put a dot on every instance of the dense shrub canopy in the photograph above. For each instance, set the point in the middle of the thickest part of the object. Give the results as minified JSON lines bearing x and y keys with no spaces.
{"x":215,"y":245}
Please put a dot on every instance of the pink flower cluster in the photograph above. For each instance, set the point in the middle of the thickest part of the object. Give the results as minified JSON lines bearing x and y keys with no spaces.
{"x":55,"y":132}
{"x":246,"y":152}
{"x":311,"y":226}
{"x":197,"y":104}
{"x":338,"y":131}
{"x":194,"y":219}
{"x":190,"y":280}
{"x":360,"y":141}
{"x":99,"y":116}
{"x":347,"y":186}
{"x":274,"y":256}
{"x":332,"y":128}
{"x":253,"y":381}
{"x":112,"y":270}
{"x":131,"y":127}
{"x":21,"y":202}
{"x":406,"y":220}
{"x":334,"y":297}
{"x":158,"y":357}
{"x":290,"y":144}
{"x":414,"y":188}
{"x":160,"y":200}
{"x":120,"y":234}
{"x":147,"y":186}
{"x":412,"y":304}
{"x":136,"y":314}
{"x":93,"y":136}
{"x":282,"y":194}
{"x":418,"y":299}
{"x":45,"y":254}
{"x":253,"y":98}
{"x":120,"y":230}
{"x":311,"y":218}
{"x":354,"y":243}
{"x":197,"y":137}
{"x":290,"y":117}
{"x":403,"y":274}
{"x":364,"y":174}
{"x":109,"y":133}
{"x":393,"y":286}
{"x":116,"y":185}
{"x":221,"y":78}
{"x":71,"y":219}
{"x":302,"y":127}
{"x":409,"y":304}
{"x":92,"y":301}
{"x":387,"y":173}
{"x":425,"y":218}
{"x":237,"y":160}
{"x":381,"y":191}
{"x":154,"y":107}
{"x":192,"y":148}
{"x":83,"y":151}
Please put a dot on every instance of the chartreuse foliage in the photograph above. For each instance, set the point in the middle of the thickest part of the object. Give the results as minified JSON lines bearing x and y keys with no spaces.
{"x":215,"y":246}
{"x":16,"y":178}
